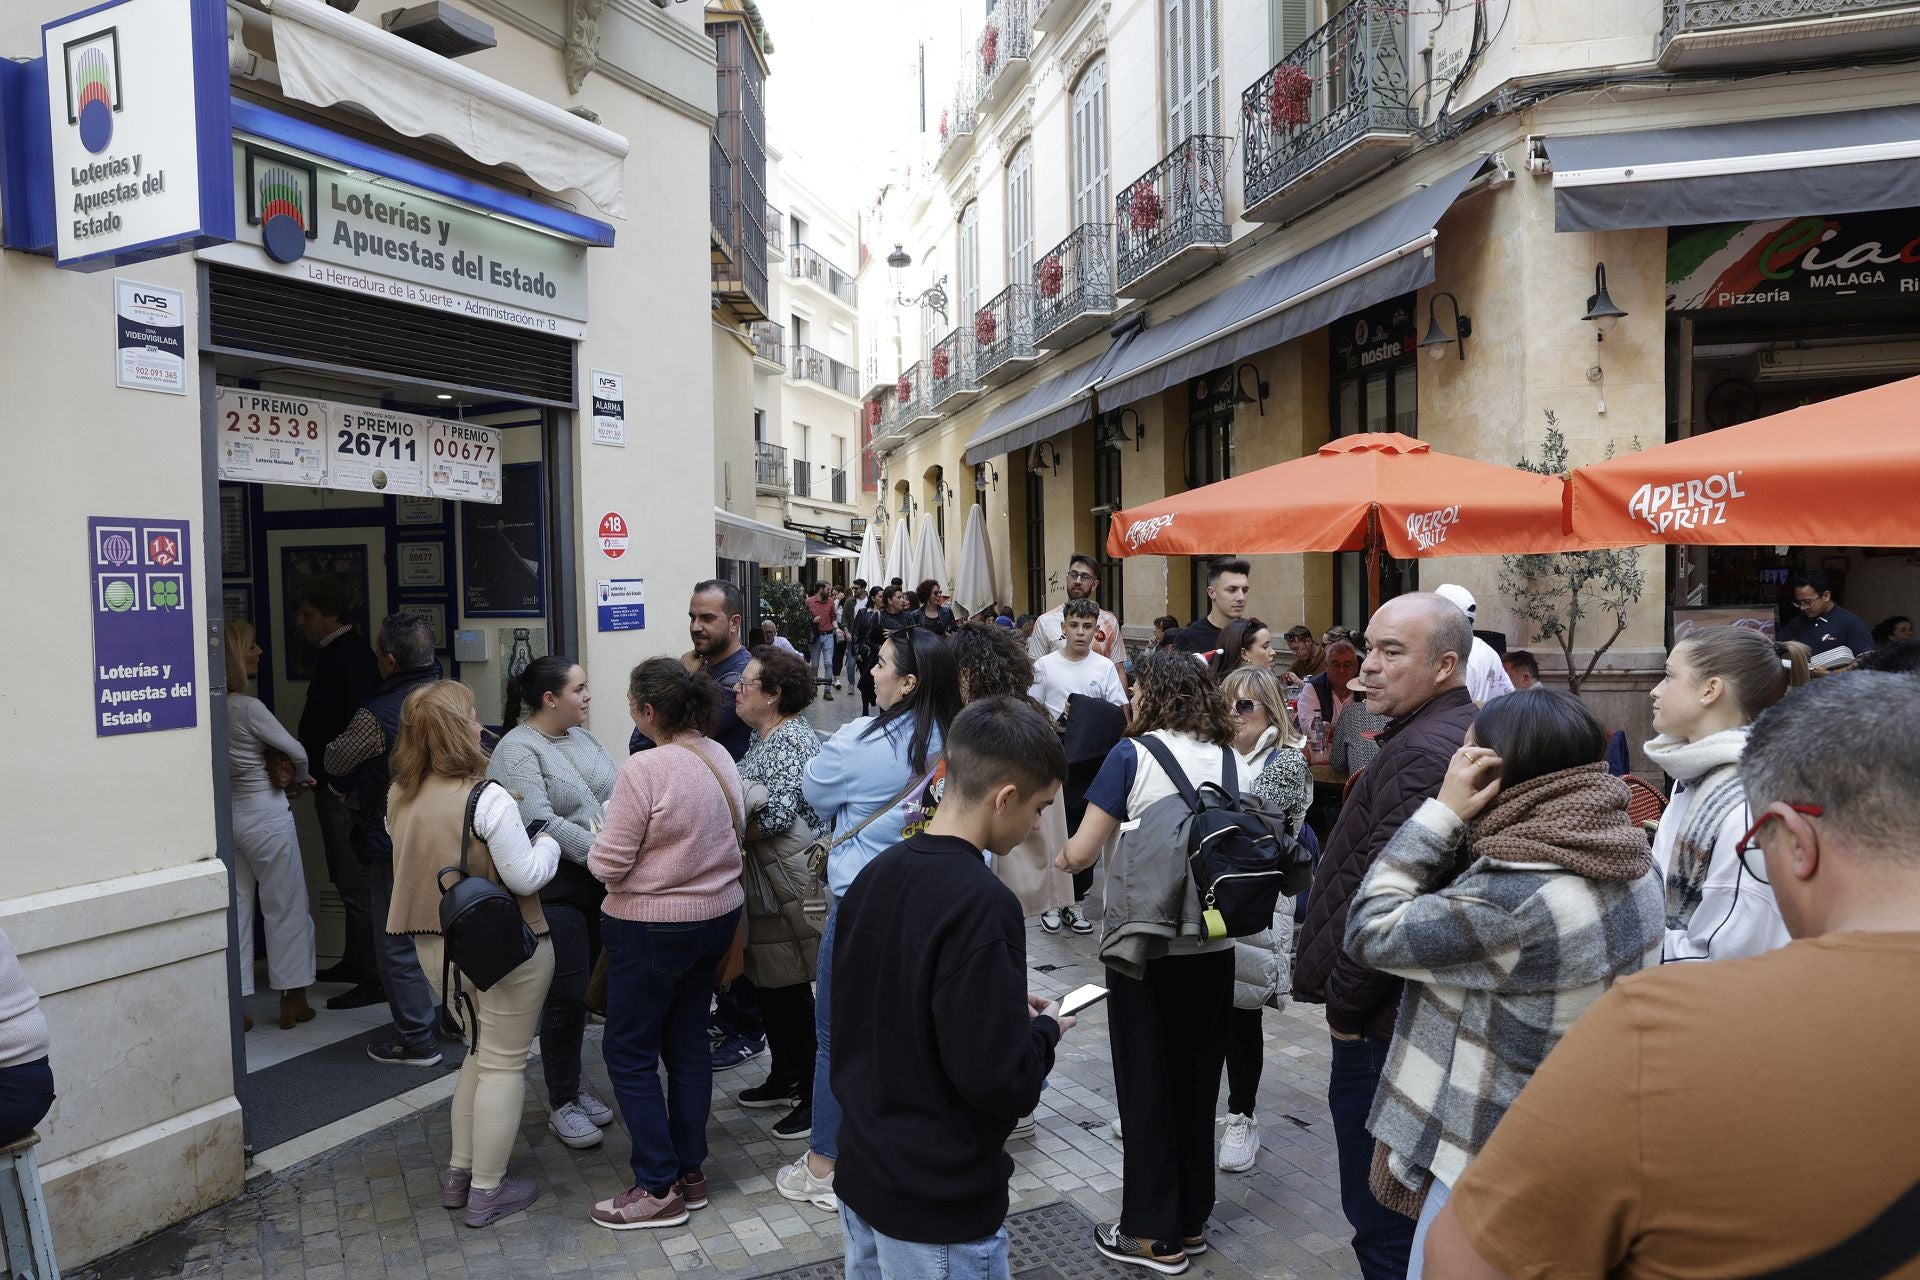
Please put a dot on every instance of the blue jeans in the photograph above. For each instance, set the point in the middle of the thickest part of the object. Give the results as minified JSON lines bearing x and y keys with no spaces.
{"x":659,"y":985}
{"x":409,"y":997}
{"x":849,"y":658}
{"x":872,"y":1256}
{"x":1382,"y":1239}
{"x":1438,"y":1193}
{"x":820,"y":657}
{"x":825,"y":1139}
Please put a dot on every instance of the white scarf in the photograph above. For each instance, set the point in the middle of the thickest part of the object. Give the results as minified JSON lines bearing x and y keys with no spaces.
{"x":1711,"y":768}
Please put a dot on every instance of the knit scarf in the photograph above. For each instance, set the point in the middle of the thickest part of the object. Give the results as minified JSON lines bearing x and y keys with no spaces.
{"x":1574,"y":818}
{"x":1710,"y":768}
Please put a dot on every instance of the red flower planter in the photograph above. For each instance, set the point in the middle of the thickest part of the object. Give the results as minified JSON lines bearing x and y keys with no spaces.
{"x":1287,"y":106}
{"x":941,"y":363}
{"x":1143,"y":209}
{"x":989,"y":49}
{"x":903,"y":391}
{"x":1050,"y":276}
{"x":986,"y":327}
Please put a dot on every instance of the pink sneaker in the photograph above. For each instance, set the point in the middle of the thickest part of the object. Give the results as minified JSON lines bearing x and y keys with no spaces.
{"x":511,"y":1196}
{"x":636,"y":1208}
{"x":454,"y":1187}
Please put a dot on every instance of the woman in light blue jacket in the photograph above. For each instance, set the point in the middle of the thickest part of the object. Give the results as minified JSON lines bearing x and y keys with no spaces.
{"x":873,"y":784}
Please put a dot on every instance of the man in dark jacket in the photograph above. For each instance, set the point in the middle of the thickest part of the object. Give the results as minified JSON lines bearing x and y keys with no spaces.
{"x":1415,"y":672}
{"x":344,"y":677}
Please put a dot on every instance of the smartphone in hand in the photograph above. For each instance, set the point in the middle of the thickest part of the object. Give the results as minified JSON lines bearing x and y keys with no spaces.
{"x":1082,"y":999}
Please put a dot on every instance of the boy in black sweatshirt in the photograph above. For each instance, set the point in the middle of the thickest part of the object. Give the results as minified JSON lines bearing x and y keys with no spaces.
{"x":938,"y":1049}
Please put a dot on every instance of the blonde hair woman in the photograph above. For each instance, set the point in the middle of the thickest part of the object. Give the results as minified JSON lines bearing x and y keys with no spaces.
{"x":437,"y":762}
{"x":266,"y":847}
{"x":1270,"y":747}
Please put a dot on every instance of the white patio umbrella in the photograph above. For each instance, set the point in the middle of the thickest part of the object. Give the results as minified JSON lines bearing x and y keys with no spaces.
{"x":900,"y":551}
{"x":973,"y":580}
{"x":929,"y":556}
{"x":867,"y":568}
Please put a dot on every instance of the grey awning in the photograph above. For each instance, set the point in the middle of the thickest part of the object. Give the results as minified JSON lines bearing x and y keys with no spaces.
{"x":818,"y":550}
{"x":1059,"y":404}
{"x":1840,"y":162}
{"x":1380,"y":258}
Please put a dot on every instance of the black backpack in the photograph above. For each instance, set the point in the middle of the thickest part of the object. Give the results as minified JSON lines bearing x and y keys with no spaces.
{"x":1239,"y":853}
{"x":485,"y":938}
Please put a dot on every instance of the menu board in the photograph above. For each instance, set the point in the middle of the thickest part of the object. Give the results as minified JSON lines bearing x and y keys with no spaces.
{"x":280,"y":439}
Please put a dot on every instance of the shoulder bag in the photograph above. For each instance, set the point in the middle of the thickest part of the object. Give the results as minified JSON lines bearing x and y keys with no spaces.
{"x":483,"y":935}
{"x":822,"y":846}
{"x":734,"y":963}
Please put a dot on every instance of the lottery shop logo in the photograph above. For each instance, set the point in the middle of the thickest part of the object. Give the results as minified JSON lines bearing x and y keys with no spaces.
{"x":93,"y":87}
{"x":282,"y":196}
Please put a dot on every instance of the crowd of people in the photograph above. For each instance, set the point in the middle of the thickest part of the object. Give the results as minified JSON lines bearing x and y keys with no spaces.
{"x":1531,"y":1072}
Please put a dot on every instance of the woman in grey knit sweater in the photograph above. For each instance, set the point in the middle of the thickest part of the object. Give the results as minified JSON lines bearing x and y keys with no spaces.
{"x":561,"y":776}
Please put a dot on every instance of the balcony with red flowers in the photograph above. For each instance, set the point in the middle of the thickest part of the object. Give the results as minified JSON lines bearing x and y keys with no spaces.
{"x":1171,"y":222}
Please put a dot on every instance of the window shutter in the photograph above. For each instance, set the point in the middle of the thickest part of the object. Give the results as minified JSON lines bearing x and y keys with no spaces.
{"x":1192,"y":69}
{"x":1091,"y":201}
{"x":1289,"y":23}
{"x":1020,"y":215}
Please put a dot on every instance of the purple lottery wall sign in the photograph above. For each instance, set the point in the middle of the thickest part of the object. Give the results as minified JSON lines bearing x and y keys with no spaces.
{"x":144,"y":650}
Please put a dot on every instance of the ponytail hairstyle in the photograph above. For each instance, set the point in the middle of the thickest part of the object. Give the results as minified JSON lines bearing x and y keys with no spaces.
{"x":1756,"y":670}
{"x":529,"y":689}
{"x":682,"y":701}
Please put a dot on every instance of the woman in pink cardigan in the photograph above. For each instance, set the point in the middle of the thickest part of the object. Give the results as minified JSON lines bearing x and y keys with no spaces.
{"x":669,"y":854}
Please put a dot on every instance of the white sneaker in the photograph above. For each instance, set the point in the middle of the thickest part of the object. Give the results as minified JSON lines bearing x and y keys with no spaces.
{"x":1022,"y":1130}
{"x":597,"y":1111}
{"x":796,"y":1182}
{"x":1050,"y":920}
{"x":1076,"y":919}
{"x":574,"y":1126}
{"x":1240,"y":1143}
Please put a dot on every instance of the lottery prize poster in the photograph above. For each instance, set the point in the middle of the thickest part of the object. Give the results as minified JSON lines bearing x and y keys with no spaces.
{"x":144,"y":645}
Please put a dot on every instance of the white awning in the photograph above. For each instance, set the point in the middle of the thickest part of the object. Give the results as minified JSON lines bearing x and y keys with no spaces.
{"x":738,"y":538}
{"x":818,"y":550}
{"x":330,"y":59}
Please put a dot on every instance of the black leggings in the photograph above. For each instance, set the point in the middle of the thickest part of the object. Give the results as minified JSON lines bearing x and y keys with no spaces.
{"x":788,"y":1015}
{"x":571,"y":904}
{"x":1245,"y":1050}
{"x":26,"y":1095}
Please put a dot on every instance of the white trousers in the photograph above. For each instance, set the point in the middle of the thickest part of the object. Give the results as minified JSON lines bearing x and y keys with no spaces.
{"x":267,"y":868}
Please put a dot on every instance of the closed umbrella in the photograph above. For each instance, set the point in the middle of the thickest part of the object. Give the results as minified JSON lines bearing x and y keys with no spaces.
{"x":900,"y":551}
{"x":1376,"y":492}
{"x":929,"y":556}
{"x":867,"y":568}
{"x":1842,"y":472}
{"x":973,"y":580}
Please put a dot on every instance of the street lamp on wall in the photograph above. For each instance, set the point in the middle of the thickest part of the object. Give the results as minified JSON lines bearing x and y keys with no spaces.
{"x":1437,"y":341}
{"x":933,"y":297}
{"x":1600,"y":307}
{"x":1045,"y":458}
{"x":1114,"y":432}
{"x":984,"y":475}
{"x":1240,"y":395}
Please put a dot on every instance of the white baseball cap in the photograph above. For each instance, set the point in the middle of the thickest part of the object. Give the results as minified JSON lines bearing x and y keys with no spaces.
{"x":1460,"y":596}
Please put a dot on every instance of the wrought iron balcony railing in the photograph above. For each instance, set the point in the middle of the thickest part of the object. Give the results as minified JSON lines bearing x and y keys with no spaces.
{"x":776,"y":233}
{"x":1346,"y":81}
{"x":1694,"y":17}
{"x":1001,"y":50}
{"x":802,"y":478}
{"x":769,"y":341}
{"x":1074,"y":278}
{"x":957,"y":123}
{"x":769,"y":466}
{"x":910,"y":398}
{"x":720,"y":191}
{"x":807,"y":264}
{"x":817,"y":366}
{"x":1178,"y":204}
{"x":1003,"y":330}
{"x":951,"y":366}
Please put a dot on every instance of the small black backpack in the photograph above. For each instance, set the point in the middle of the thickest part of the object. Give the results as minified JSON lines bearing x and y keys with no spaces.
{"x":1240,"y":855}
{"x":485,"y":938}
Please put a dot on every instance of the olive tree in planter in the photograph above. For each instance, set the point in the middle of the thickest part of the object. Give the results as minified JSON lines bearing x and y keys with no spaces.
{"x":1556,"y":593}
{"x":786,"y":604}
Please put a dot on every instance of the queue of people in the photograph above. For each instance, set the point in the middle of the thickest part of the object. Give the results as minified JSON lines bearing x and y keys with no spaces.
{"x":1497,"y":946}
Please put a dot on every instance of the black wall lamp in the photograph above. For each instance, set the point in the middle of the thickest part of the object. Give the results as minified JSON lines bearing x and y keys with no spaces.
{"x":1260,"y":385}
{"x":1437,"y":341}
{"x":1600,"y":308}
{"x":1114,"y":433}
{"x":984,"y":475}
{"x":1045,"y":458}
{"x":933,"y":297}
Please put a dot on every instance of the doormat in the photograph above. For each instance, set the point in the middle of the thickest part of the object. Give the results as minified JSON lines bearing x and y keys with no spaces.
{"x":1050,"y":1243}
{"x":301,"y":1094}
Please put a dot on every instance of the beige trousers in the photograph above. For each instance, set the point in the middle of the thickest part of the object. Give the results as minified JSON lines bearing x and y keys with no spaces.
{"x":491,"y":1091}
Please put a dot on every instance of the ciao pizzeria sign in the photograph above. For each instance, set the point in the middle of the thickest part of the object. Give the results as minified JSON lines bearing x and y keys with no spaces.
{"x":1795,"y":261}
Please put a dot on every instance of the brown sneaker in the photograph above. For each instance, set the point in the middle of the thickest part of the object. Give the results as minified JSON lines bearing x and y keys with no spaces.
{"x":1164,"y":1256}
{"x":636,"y":1208}
{"x":693,"y":1189}
{"x":1194,"y":1245}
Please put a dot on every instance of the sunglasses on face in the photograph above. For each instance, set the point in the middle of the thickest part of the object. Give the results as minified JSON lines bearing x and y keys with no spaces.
{"x":1245,"y":706}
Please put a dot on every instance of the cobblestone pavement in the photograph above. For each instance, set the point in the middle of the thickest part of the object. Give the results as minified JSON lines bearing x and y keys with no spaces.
{"x":370,"y":1209}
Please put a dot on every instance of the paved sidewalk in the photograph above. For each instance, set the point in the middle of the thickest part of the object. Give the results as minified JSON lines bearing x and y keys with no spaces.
{"x":371,"y":1209}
